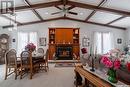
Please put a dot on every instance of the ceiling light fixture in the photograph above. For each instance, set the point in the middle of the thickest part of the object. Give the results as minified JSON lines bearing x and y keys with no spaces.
{"x":46,"y":13}
{"x":81,"y":13}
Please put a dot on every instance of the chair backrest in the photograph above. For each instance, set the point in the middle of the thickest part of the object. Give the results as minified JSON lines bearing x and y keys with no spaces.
{"x":41,"y":50}
{"x":10,"y":57}
{"x":25,"y":57}
{"x":47,"y":55}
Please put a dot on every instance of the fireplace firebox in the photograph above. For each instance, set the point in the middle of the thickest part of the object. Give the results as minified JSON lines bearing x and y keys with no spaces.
{"x":64,"y":52}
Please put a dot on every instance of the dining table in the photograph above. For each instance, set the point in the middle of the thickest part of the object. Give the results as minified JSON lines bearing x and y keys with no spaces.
{"x":34,"y":59}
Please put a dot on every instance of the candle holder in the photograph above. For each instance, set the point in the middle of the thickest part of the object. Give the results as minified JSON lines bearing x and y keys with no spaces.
{"x":92,"y":62}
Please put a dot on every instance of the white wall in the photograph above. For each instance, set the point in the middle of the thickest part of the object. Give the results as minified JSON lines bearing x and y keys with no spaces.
{"x":85,"y":30}
{"x":127,"y":37}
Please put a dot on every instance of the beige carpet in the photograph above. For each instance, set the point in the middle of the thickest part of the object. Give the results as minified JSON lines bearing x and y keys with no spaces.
{"x":56,"y":77}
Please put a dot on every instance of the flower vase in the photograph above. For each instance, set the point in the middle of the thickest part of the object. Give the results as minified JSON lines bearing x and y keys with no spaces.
{"x":112,"y":75}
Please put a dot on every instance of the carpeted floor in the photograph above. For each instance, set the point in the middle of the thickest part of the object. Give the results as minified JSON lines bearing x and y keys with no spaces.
{"x":56,"y":77}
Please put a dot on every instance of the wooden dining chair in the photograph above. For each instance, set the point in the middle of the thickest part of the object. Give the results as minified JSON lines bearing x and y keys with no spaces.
{"x":40,"y":50}
{"x":28,"y":64}
{"x":43,"y":59}
{"x":46,"y":60}
{"x":12,"y":66}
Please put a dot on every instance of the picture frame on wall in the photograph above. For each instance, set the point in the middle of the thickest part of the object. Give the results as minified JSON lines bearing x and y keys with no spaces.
{"x":13,"y":40}
{"x":42,"y":41}
{"x":119,"y":41}
{"x":85,"y":42}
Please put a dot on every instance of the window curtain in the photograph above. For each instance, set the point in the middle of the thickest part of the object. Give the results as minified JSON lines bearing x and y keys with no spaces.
{"x":103,"y":42}
{"x":98,"y":42}
{"x":22,"y":41}
{"x":106,"y":38}
{"x":24,"y":38}
{"x":33,"y":38}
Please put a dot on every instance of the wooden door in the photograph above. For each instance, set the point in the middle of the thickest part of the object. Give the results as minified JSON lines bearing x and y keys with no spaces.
{"x":64,"y":35}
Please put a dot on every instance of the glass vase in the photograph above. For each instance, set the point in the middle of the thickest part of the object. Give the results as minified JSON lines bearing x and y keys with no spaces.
{"x":112,"y":75}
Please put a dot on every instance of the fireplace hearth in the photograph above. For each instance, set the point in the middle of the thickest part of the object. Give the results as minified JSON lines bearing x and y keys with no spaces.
{"x":64,"y":52}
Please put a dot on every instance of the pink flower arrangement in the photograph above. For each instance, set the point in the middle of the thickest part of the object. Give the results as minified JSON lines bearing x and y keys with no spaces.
{"x":109,"y":63}
{"x":115,"y":53}
{"x":128,"y":65}
{"x":30,"y":47}
{"x":115,"y":50}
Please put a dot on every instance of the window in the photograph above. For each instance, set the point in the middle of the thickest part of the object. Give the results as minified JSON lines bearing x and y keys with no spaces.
{"x":102,"y":42}
{"x":24,"y":38}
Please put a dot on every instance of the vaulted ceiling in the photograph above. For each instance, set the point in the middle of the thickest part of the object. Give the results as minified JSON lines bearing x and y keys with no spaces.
{"x":109,"y":13}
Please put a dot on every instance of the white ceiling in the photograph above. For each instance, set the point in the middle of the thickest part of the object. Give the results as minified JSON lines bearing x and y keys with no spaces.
{"x":4,"y":22}
{"x":24,"y":16}
{"x":98,"y":17}
{"x":118,"y":4}
{"x":92,"y":2}
{"x":19,"y":3}
{"x":82,"y":13}
{"x":102,"y":17}
{"x":46,"y":12}
{"x":22,"y":2}
{"x":123,"y":23}
{"x":40,"y":1}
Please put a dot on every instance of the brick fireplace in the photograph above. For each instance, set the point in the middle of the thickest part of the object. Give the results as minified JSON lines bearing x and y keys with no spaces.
{"x":64,"y":52}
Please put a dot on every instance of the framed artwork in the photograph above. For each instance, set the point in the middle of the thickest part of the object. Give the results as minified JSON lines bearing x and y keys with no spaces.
{"x":13,"y":40}
{"x":42,"y":41}
{"x":119,"y":41}
{"x":85,"y":42}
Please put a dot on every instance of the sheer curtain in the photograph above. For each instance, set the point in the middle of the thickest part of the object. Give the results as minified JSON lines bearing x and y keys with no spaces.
{"x":106,"y":42}
{"x":22,"y":41}
{"x":24,"y":38}
{"x":33,"y":38}
{"x":103,"y":42}
{"x":98,"y":42}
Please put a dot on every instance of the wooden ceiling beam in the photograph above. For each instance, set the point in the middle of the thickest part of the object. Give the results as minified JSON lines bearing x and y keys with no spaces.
{"x":37,"y":6}
{"x":89,"y":22}
{"x":71,"y":7}
{"x":8,"y":18}
{"x":76,"y":4}
{"x":34,"y":22}
{"x":67,"y":19}
{"x":94,"y":11}
{"x":64,"y":2}
{"x":33,"y":10}
{"x":58,"y":8}
{"x":103,"y":9}
{"x":116,"y":20}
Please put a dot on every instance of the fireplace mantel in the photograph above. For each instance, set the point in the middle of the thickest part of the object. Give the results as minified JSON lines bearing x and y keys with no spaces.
{"x":64,"y":44}
{"x":64,"y":37}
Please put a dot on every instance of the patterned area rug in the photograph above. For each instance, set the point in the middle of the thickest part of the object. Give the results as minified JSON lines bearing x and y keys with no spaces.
{"x":64,"y":64}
